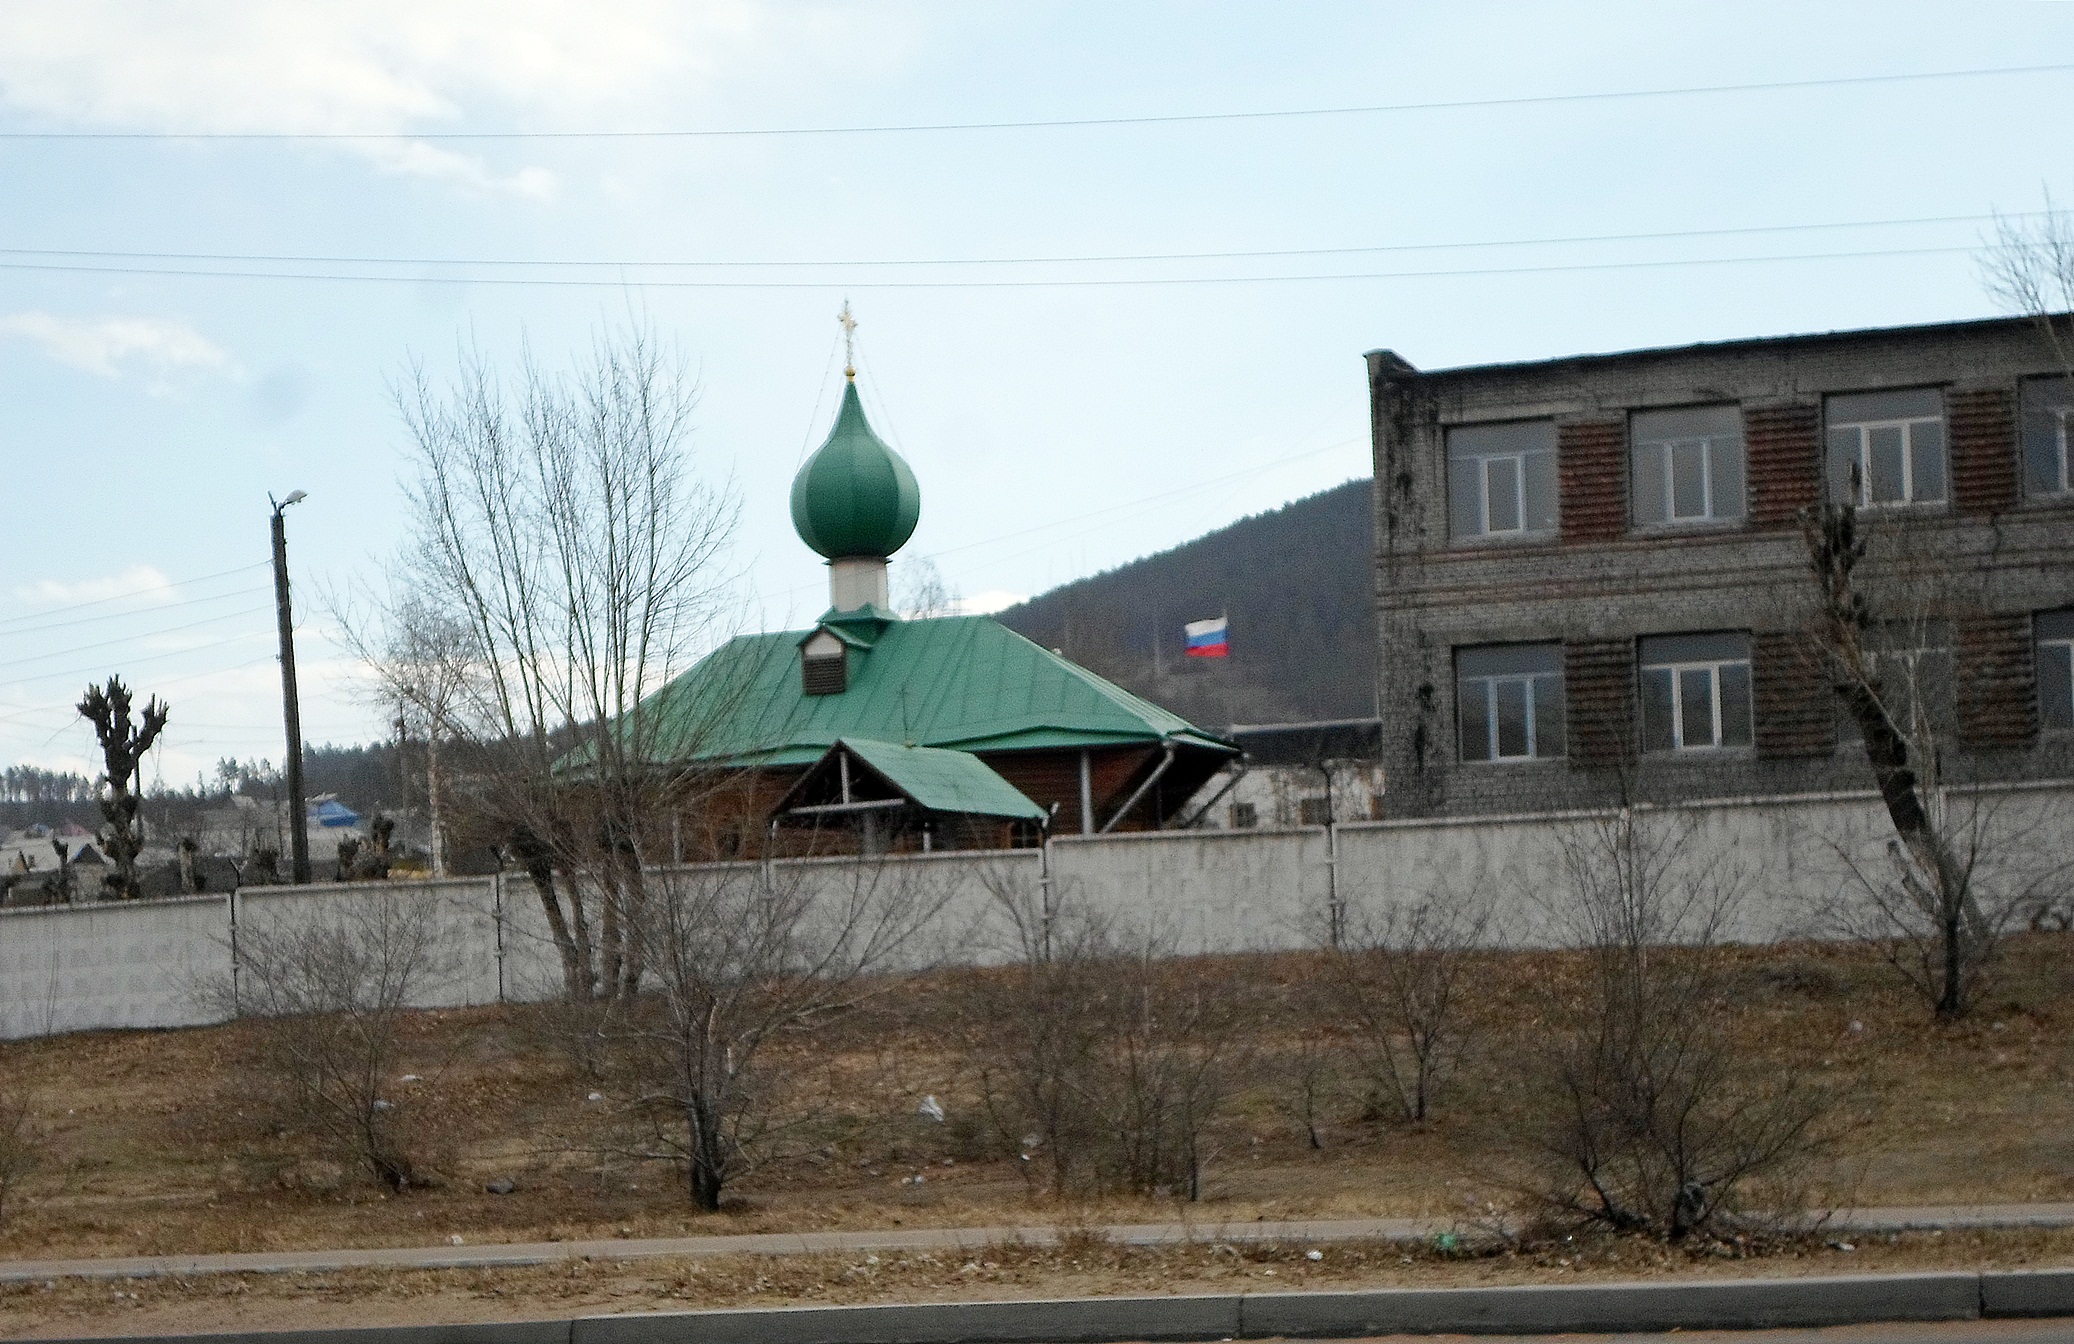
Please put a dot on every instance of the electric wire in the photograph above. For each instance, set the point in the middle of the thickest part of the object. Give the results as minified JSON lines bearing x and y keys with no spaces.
{"x":130,"y":615}
{"x":1062,"y":123}
{"x":1085,"y":282}
{"x":125,"y":597}
{"x":1261,"y":254}
{"x":138,"y":635}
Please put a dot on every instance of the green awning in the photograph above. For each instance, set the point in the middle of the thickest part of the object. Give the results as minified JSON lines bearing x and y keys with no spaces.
{"x":932,"y":778}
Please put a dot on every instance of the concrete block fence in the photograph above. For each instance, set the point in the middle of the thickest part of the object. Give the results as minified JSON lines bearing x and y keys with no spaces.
{"x":165,"y":963}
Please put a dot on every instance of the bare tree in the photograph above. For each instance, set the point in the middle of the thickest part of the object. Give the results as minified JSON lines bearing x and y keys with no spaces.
{"x":2028,"y":267}
{"x":560,"y":523}
{"x":332,"y":986}
{"x":421,"y":658}
{"x":123,"y":744}
{"x":1962,"y":870}
{"x":747,"y":960}
{"x":1399,"y":980}
{"x":919,"y":589}
{"x":1647,"y":1118}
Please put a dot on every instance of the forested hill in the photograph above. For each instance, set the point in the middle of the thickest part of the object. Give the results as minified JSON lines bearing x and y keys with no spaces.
{"x":1296,"y":585}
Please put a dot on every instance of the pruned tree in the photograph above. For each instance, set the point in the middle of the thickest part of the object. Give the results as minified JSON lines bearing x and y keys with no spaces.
{"x":919,"y":590}
{"x":123,"y":743}
{"x":563,"y":568}
{"x":1647,"y":1116}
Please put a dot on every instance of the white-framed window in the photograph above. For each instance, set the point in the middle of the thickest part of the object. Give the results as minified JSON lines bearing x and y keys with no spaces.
{"x":1509,"y":701}
{"x":2055,"y":634}
{"x":1501,"y":479}
{"x":1890,"y":444}
{"x":1686,"y":465}
{"x":1695,"y":691}
{"x":2048,"y":414}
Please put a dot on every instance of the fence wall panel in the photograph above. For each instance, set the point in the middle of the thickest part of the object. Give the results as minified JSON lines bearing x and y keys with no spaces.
{"x":127,"y":964}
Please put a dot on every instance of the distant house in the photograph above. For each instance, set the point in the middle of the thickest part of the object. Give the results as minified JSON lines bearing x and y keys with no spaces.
{"x":1298,"y":774}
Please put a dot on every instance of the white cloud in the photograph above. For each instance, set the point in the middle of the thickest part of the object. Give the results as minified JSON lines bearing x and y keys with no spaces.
{"x":375,"y":66}
{"x":110,"y":345}
{"x":145,"y":581}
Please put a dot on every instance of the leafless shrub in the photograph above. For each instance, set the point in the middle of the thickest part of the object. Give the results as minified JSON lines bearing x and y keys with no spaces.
{"x":1398,"y":979}
{"x":331,"y":987}
{"x":1101,"y":1058}
{"x":1647,"y":1118}
{"x":23,"y":1145}
{"x":748,"y":963}
{"x":1307,"y":1080}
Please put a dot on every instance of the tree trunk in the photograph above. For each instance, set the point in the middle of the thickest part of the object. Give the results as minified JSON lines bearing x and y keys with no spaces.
{"x":432,"y":804}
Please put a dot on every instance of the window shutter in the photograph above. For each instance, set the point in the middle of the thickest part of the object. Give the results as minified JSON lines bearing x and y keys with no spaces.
{"x":1785,"y":447}
{"x":1590,"y":460}
{"x":1792,"y":702}
{"x":1997,"y":706}
{"x":1599,"y":677}
{"x":1984,"y":457}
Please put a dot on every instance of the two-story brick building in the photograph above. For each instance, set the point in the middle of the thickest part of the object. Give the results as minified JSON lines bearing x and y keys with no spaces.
{"x":1592,"y":569}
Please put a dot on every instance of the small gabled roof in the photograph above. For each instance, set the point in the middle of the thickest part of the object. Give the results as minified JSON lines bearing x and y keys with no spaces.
{"x":934,"y":779}
{"x":964,"y":682}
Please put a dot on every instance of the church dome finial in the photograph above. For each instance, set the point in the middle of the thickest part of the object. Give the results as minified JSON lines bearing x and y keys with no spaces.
{"x":855,"y":498}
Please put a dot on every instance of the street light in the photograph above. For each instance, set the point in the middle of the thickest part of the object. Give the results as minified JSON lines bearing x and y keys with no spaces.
{"x":299,"y":841}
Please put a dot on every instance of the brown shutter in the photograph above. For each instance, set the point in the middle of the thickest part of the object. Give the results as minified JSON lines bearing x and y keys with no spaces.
{"x":1997,"y":707}
{"x":1983,"y":439}
{"x":1598,"y":690}
{"x":1785,"y":450}
{"x":1593,"y":479}
{"x":1795,"y":714}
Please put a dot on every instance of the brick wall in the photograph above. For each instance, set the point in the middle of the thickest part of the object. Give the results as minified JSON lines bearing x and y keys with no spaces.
{"x":1599,"y":680}
{"x":1785,"y":455}
{"x":1794,"y":708}
{"x":1984,"y":457}
{"x":1997,"y":703}
{"x":1593,"y":483}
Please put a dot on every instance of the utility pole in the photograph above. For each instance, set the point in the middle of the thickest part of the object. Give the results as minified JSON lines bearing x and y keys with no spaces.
{"x":298,"y":820}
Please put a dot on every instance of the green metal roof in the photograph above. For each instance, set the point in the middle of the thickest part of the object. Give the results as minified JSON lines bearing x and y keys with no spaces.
{"x":943,"y":780}
{"x":966,"y":682}
{"x":855,"y":496}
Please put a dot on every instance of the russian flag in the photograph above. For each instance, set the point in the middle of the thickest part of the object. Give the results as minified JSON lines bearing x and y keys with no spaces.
{"x":1209,"y":639}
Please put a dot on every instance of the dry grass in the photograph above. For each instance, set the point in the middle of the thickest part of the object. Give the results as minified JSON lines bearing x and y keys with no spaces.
{"x":159,"y":1143}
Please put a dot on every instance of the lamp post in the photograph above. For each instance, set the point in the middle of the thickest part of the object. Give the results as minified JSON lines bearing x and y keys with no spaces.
{"x":299,"y":832}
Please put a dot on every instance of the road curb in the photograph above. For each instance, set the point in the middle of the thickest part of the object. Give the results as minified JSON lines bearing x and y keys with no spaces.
{"x":1535,"y":1309}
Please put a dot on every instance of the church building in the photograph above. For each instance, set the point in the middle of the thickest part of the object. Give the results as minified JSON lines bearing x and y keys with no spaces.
{"x":870,"y":732}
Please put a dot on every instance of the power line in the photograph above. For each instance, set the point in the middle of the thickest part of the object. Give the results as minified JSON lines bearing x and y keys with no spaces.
{"x":1058,"y":123}
{"x":128,"y":615}
{"x":1102,"y":282}
{"x":29,"y":711}
{"x":125,"y":597}
{"x":141,"y":634}
{"x":96,"y":668}
{"x":293,"y":259}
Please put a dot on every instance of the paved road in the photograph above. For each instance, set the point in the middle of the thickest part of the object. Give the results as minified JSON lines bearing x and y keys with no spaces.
{"x":903,"y":1239}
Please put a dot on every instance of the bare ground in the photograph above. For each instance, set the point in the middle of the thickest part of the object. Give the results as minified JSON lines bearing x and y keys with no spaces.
{"x":165,"y":1142}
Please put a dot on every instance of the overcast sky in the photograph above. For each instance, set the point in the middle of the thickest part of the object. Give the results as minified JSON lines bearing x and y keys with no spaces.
{"x":1056,"y":428}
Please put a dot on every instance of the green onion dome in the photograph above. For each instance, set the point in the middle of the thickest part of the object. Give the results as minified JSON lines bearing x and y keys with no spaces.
{"x":855,"y":497}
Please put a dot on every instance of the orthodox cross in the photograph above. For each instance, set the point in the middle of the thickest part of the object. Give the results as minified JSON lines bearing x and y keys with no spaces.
{"x":849,"y":341}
